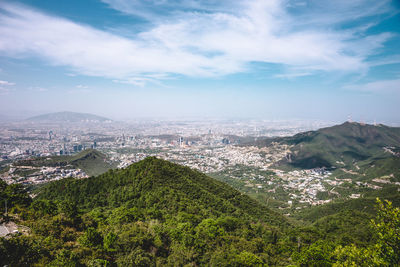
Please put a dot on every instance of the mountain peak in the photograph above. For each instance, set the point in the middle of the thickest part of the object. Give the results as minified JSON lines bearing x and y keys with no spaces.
{"x":68,"y":116}
{"x":153,"y":177}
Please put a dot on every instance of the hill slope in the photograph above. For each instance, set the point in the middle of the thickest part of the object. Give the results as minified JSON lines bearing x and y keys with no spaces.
{"x":155,"y":175}
{"x":338,"y":146}
{"x":153,"y":213}
{"x":91,"y":161}
{"x":67,"y":116}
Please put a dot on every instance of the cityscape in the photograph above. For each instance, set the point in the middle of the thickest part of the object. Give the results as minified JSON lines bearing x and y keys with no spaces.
{"x":217,"y":148}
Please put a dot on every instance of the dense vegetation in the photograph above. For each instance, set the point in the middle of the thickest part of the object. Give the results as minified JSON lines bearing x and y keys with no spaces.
{"x":153,"y":212}
{"x":158,"y":213}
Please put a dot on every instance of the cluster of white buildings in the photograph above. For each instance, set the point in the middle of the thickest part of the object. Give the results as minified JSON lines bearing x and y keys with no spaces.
{"x":207,"y":158}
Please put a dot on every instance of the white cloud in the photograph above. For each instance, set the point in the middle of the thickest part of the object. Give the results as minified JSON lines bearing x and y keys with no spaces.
{"x":155,"y":10}
{"x":291,"y":75}
{"x":80,"y":86}
{"x":383,"y":86}
{"x":142,"y":81}
{"x":6,"y":83}
{"x":197,"y":38}
{"x":37,"y":89}
{"x":5,"y":87}
{"x":392,"y":59}
{"x":79,"y":91}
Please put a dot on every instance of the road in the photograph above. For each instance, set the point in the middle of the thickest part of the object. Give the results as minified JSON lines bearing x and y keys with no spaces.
{"x":3,"y":230}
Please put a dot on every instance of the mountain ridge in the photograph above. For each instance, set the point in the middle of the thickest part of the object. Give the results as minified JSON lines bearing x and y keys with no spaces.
{"x":337,"y":146}
{"x":68,"y":116}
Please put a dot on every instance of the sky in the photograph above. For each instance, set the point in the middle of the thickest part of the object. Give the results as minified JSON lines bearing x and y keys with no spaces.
{"x":266,"y":59}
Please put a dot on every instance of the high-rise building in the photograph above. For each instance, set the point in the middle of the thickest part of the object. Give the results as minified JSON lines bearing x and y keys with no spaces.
{"x":180,"y":141}
{"x":226,"y":141}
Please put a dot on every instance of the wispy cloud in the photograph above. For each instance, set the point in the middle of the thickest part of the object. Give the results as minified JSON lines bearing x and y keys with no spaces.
{"x":156,"y":10}
{"x":37,"y":89}
{"x":6,"y":83}
{"x":387,"y":60}
{"x":196,"y":38}
{"x":77,"y":90}
{"x":383,"y":86}
{"x":5,"y":87}
{"x":291,"y":75}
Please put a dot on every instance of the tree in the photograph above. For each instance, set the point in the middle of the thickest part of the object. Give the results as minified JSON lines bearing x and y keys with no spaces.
{"x":69,"y":208}
{"x":387,"y":227}
{"x":109,"y":241}
{"x":247,"y":259}
{"x":43,"y":207}
{"x":318,"y":254}
{"x":19,"y":251}
{"x":137,"y":257}
{"x":65,"y":258}
{"x":354,"y":256}
{"x":91,"y":238}
{"x":386,"y":251}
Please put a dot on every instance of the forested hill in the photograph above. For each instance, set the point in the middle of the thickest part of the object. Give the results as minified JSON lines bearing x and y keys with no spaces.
{"x":156,"y":213}
{"x":166,"y":187}
{"x":153,"y":213}
{"x":339,"y":145}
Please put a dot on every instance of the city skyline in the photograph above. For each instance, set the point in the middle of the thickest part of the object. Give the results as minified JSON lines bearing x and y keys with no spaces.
{"x":262,"y":59}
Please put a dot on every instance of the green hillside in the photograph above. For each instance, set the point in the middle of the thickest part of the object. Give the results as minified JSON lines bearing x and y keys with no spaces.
{"x":152,"y":213}
{"x":338,"y":146}
{"x":156,"y":175}
{"x":91,"y":161}
{"x":363,"y":204}
{"x":381,"y":168}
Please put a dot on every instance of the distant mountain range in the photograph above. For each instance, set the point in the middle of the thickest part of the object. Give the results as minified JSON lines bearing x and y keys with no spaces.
{"x":339,"y":146}
{"x":67,"y":116}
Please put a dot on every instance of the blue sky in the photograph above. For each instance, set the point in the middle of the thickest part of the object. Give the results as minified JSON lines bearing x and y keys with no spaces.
{"x":270,"y":59}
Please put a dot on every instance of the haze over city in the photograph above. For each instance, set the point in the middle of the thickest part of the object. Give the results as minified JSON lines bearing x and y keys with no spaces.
{"x":275,"y":59}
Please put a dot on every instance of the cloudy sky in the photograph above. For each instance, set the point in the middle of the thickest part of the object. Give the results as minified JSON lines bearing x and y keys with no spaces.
{"x":271,"y":59}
